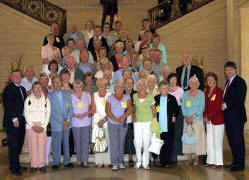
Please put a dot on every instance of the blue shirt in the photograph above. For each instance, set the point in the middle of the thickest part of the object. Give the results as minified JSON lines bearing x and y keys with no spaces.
{"x":85,"y":68}
{"x":119,"y":75}
{"x":163,"y":114}
{"x":59,"y":96}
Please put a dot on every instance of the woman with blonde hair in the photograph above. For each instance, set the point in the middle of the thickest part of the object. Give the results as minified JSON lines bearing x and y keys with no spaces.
{"x":118,"y":56}
{"x":193,"y":105}
{"x":88,"y":32}
{"x":152,"y":87}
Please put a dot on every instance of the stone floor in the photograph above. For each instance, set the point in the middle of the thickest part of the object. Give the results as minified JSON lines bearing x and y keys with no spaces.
{"x":179,"y":172}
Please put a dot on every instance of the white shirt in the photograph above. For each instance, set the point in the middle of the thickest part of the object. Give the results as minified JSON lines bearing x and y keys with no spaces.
{"x":27,"y":84}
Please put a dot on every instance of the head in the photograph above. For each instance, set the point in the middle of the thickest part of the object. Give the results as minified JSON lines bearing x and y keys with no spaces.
{"x":194,"y":83}
{"x":84,"y":56}
{"x":129,"y":83}
{"x":88,"y":78}
{"x":151,"y":81}
{"x":53,"y":66}
{"x":104,"y":64}
{"x":126,"y":74}
{"x":50,"y":38}
{"x":57,"y":83}
{"x":97,"y":44}
{"x":71,"y":43}
{"x":119,"y":87}
{"x":29,"y":72}
{"x":101,"y":84}
{"x":147,"y":64}
{"x":107,"y":28}
{"x":119,"y":47}
{"x":65,"y":76}
{"x":143,"y":74}
{"x":146,"y":24}
{"x":44,"y":80}
{"x":80,"y":45}
{"x":144,"y":48}
{"x":128,"y":45}
{"x":55,"y":29}
{"x":89,"y":25}
{"x":16,"y":76}
{"x":211,"y":79}
{"x":73,"y":28}
{"x":172,"y":79}
{"x":230,"y":69}
{"x":70,"y":62}
{"x":97,"y":31}
{"x":125,"y":62}
{"x":108,"y":75}
{"x":157,"y":56}
{"x":118,"y":26}
{"x":163,"y":87}
{"x":123,"y":33}
{"x":156,"y":38}
{"x":102,"y":52}
{"x":78,"y":86}
{"x":134,"y":58}
{"x":66,"y":51}
{"x":166,"y":71}
{"x":37,"y":89}
{"x":186,"y":59}
{"x":141,"y":85}
{"x":148,"y":36}
{"x":152,"y":54}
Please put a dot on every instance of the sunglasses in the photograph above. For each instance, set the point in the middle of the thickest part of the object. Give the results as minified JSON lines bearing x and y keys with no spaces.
{"x":144,"y":48}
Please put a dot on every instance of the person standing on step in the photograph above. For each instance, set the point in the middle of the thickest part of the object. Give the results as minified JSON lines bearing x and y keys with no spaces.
{"x":110,"y":7}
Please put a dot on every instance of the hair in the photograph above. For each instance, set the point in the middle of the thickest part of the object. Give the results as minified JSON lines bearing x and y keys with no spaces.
{"x":158,"y":50}
{"x":127,"y":70}
{"x":88,"y":74}
{"x":106,"y":23}
{"x":35,"y":84}
{"x":166,"y":67}
{"x":107,"y":71}
{"x":156,"y":35}
{"x":145,"y":19}
{"x":102,"y":48}
{"x":134,"y":52}
{"x":70,"y":39}
{"x":118,"y":81}
{"x":89,"y":21}
{"x":147,"y":59}
{"x":171,"y":75}
{"x":77,"y":82}
{"x":97,"y":27}
{"x":55,"y":78}
{"x":130,"y":79}
{"x":118,"y":22}
{"x":64,"y":71}
{"x":152,"y":76}
{"x":119,"y":44}
{"x":230,"y":64}
{"x":28,"y":67}
{"x":213,"y":75}
{"x":163,"y":82}
{"x":194,"y":79}
{"x":101,"y":80}
{"x":53,"y":62}
{"x":50,"y":35}
{"x":141,"y":81}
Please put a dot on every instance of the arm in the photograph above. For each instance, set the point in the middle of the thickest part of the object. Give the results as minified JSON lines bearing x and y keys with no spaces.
{"x":200,"y":109}
{"x":184,"y":99}
{"x":109,"y":112}
{"x":27,"y":112}
{"x":217,"y":105}
{"x":129,"y":109}
{"x":48,"y":111}
{"x":164,"y":54}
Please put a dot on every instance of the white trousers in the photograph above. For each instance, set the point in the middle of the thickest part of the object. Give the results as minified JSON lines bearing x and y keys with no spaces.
{"x":142,"y":140}
{"x":215,"y":135}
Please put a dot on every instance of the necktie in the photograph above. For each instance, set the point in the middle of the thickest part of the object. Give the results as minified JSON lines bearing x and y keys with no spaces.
{"x":20,"y":89}
{"x":225,"y":90}
{"x":185,"y":80}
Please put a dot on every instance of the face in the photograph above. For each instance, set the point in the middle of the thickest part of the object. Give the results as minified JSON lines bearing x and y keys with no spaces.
{"x":147,"y":65}
{"x":156,"y":40}
{"x":55,"y":29}
{"x":211,"y":82}
{"x":71,"y":44}
{"x":141,"y":87}
{"x":158,"y":57}
{"x":193,"y":85}
{"x":134,"y":60}
{"x":123,"y":33}
{"x":146,"y":25}
{"x":70,"y":61}
{"x":126,"y":75}
{"x":44,"y":82}
{"x":119,"y":49}
{"x":73,"y":28}
{"x":65,"y":78}
{"x":53,"y":68}
{"x":164,"y":90}
{"x":166,"y":73}
{"x":128,"y":45}
{"x":173,"y":81}
{"x":129,"y":84}
{"x":108,"y":76}
{"x":16,"y":77}
{"x":117,"y":26}
{"x":119,"y":89}
{"x":80,"y":45}
{"x":57,"y":84}
{"x":51,"y":40}
{"x":125,"y":62}
{"x":89,"y":26}
{"x":145,"y":49}
{"x":101,"y":86}
{"x":143,"y":74}
{"x":148,"y":36}
{"x":84,"y":57}
{"x":78,"y":88}
{"x":37,"y":90}
{"x":230,"y":72}
{"x":97,"y":32}
{"x":107,"y":28}
{"x":29,"y":73}
{"x":88,"y":80}
{"x":102,"y":53}
{"x":151,"y":83}
{"x":186,"y":59}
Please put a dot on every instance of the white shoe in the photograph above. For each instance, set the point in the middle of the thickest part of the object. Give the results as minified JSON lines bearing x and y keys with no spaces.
{"x":138,"y":166}
{"x":121,"y":166}
{"x":146,"y":167}
{"x":114,"y":168}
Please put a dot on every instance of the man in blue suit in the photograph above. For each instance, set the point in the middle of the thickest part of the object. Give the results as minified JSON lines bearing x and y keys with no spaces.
{"x":60,"y":120}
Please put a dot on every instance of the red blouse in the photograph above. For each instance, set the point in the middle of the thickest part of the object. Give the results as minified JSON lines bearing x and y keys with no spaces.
{"x":213,"y":105}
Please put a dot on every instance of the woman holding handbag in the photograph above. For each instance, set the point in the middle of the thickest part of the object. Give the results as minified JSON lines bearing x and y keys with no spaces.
{"x":100,"y":134}
{"x":194,"y":138}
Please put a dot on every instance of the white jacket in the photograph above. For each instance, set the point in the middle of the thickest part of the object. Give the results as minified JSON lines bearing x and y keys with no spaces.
{"x":37,"y":111}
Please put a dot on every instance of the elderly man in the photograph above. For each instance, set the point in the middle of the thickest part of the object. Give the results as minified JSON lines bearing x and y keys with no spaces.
{"x":59,"y":41}
{"x":166,"y":71}
{"x":157,"y":64}
{"x":186,"y":71}
{"x":29,"y":79}
{"x":85,"y":66}
{"x":13,"y":100}
{"x":74,"y":34}
{"x":80,"y":46}
{"x":60,"y":120}
{"x":125,"y":62}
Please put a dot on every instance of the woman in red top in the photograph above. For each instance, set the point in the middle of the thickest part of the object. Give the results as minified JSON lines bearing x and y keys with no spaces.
{"x":213,"y":116}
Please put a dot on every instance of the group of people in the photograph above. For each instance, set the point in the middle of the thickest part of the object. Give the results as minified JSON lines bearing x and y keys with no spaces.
{"x":101,"y":91}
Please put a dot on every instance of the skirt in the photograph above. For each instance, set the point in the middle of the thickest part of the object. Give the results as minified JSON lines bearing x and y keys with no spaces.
{"x":129,"y":140}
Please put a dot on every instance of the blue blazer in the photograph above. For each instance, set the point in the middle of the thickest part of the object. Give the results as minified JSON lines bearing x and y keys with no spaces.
{"x":58,"y":114}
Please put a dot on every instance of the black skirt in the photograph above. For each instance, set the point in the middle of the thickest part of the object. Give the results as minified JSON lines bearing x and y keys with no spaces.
{"x":129,"y":140}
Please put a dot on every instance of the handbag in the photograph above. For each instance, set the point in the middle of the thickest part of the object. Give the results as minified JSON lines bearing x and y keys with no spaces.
{"x":100,"y":142}
{"x":188,"y":136}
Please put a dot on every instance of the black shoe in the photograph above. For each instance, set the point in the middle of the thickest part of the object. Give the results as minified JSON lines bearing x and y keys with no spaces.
{"x":237,"y":169}
{"x":22,"y":168}
{"x":43,"y":169}
{"x":229,"y":166}
{"x":131,"y":163}
{"x":16,"y":172}
{"x":31,"y":170}
{"x":55,"y":167}
{"x":69,"y":165}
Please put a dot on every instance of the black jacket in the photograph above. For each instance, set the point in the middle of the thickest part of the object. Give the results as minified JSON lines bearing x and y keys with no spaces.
{"x":104,"y":43}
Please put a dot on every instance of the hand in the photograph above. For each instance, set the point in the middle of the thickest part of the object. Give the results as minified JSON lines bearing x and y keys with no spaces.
{"x":121,"y":119}
{"x":90,"y":114}
{"x":224,"y":107}
{"x":36,"y":128}
{"x":65,"y":124}
{"x":134,"y":118}
{"x":80,"y":116}
{"x":101,"y":123}
{"x":16,"y":124}
{"x":188,"y":119}
{"x":50,"y":88}
{"x":173,"y":119}
{"x":206,"y":120}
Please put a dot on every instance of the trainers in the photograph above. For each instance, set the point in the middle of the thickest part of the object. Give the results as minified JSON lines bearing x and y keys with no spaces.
{"x":121,"y":166}
{"x":146,"y":167}
{"x":114,"y":168}
{"x":137,"y":166}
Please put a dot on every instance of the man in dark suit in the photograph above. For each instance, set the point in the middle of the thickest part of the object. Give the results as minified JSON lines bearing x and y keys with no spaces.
{"x":186,"y":71}
{"x":167,"y":119}
{"x":235,"y":115}
{"x":13,"y":100}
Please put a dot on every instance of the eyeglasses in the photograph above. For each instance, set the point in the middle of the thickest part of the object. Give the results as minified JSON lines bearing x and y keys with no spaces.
{"x":144,"y":48}
{"x":107,"y":27}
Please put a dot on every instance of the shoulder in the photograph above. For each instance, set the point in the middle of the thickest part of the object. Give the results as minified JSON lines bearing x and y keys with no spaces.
{"x":157,"y":97}
{"x":179,"y":68}
{"x":196,"y":68}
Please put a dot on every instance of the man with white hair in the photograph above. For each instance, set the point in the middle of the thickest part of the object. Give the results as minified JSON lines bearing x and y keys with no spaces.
{"x":157,"y":64}
{"x":29,"y":79}
{"x":74,"y":34}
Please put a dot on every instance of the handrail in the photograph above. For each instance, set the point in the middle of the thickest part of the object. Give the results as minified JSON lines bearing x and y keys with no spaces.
{"x":40,"y":10}
{"x":157,"y":14}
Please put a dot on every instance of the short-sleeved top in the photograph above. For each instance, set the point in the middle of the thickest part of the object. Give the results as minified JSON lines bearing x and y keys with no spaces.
{"x":118,"y":107}
{"x":143,"y":108}
{"x":81,"y":106}
{"x":178,"y":93}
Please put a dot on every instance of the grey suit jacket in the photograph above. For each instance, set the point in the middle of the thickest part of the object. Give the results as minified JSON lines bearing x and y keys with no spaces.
{"x":79,"y":36}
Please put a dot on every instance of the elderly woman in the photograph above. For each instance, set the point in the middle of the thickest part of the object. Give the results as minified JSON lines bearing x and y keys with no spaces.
{"x":107,"y":34}
{"x":108,"y":74}
{"x":167,"y":112}
{"x":89,"y":85}
{"x":129,"y":47}
{"x":147,"y":65}
{"x":37,"y":113}
{"x":100,"y":121}
{"x":95,"y":51}
{"x":81,"y":122}
{"x":143,"y":74}
{"x":152,"y":87}
{"x":193,"y":105}
{"x":144,"y":50}
{"x":213,"y":116}
{"x":53,"y":68}
{"x":145,"y":111}
{"x":166,"y":71}
{"x":104,"y":64}
{"x":157,"y":45}
{"x":118,"y":108}
{"x":176,"y":91}
{"x":118,"y":56}
{"x":145,"y":27}
{"x":88,"y":32}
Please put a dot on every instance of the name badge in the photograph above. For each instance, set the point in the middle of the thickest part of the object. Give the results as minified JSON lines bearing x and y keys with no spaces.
{"x":158,"y":109}
{"x":161,"y":78}
{"x":80,"y":105}
{"x":136,"y":73}
{"x":57,"y":39}
{"x":213,"y":97}
{"x":103,"y":103}
{"x":124,"y":105}
{"x":188,"y":103}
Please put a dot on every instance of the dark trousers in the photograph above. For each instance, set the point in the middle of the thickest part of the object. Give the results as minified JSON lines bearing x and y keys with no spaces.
{"x":166,"y":150}
{"x":235,"y":136}
{"x":15,"y":142}
{"x":104,"y":18}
